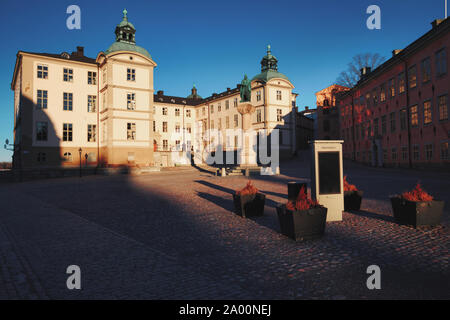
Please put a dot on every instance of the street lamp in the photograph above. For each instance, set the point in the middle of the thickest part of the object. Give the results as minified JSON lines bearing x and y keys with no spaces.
{"x":79,"y":151}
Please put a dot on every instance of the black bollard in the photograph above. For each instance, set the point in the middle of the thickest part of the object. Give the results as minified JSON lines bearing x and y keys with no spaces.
{"x":294,"y":189}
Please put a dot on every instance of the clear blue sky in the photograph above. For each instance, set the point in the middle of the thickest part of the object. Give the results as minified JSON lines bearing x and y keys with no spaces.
{"x":213,"y":43}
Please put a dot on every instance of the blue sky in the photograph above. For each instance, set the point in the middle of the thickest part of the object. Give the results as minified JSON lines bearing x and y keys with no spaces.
{"x":214,"y":43}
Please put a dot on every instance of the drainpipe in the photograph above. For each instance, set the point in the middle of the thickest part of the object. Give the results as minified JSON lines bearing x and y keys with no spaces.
{"x":98,"y":114}
{"x":407,"y":112}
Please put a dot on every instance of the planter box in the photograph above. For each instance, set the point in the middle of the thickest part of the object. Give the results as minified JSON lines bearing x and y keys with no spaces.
{"x":420,"y":213}
{"x":249,"y":205}
{"x":302,"y":225}
{"x":352,"y":200}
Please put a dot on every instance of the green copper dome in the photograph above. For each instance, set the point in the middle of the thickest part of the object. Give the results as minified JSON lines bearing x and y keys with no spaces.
{"x":122,"y":46}
{"x":194,"y":94}
{"x":125,"y":38}
{"x":269,"y":68}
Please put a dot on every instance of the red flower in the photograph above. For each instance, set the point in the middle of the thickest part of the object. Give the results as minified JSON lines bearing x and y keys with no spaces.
{"x":302,"y":202}
{"x":348,"y":186}
{"x":417,"y":194}
{"x":248,"y":189}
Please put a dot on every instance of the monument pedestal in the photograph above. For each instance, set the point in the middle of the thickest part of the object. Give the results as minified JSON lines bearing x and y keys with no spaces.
{"x":248,"y":156}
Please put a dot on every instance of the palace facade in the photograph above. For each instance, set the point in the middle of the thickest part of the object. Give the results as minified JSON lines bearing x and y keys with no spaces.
{"x":397,"y":114}
{"x":71,"y":109}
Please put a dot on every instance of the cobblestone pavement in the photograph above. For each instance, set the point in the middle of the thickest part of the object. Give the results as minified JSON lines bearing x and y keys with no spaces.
{"x":173,"y":235}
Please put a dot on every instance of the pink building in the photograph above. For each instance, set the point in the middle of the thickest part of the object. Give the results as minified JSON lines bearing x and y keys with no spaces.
{"x":397,"y":114}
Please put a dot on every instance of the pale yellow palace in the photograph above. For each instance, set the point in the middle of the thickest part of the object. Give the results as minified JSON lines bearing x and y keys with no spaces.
{"x":105,"y":110}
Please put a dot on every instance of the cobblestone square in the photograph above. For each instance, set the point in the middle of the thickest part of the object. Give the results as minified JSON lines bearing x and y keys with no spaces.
{"x":173,"y":235}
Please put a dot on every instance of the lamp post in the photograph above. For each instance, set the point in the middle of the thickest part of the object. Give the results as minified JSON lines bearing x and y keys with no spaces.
{"x":79,"y":151}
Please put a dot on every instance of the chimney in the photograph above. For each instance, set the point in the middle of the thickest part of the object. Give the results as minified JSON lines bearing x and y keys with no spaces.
{"x":160,"y":93}
{"x":306,"y":108}
{"x":80,"y":51}
{"x":436,"y":22}
{"x":364,"y":72}
{"x":228,"y":89}
{"x":194,"y":91}
{"x":396,"y":52}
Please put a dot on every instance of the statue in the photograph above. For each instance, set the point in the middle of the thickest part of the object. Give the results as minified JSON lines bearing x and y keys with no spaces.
{"x":245,"y":90}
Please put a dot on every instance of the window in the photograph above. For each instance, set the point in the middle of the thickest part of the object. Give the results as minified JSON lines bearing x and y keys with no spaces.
{"x":67,"y":132}
{"x":227,"y":105}
{"x":177,"y":144}
{"x":279,"y":115}
{"x":177,"y":128}
{"x":258,"y":115}
{"x":219,"y":124}
{"x":401,"y":82}
{"x":368,"y":100}
{"x":429,"y":151}
{"x":278,"y":94}
{"x":443,"y":107}
{"x":68,"y":75}
{"x":164,"y":126}
{"x":392,"y":87}
{"x":164,"y":111}
{"x":67,"y":157}
{"x":236,"y":121}
{"x":363,"y":131}
{"x":383,"y":93}
{"x":383,"y":125}
{"x":385,"y":155}
{"x":227,"y":122}
{"x":131,"y":101}
{"x":67,"y":101}
{"x":375,"y":127}
{"x":258,"y":95}
{"x":412,"y":77}
{"x":42,"y":99}
{"x":219,"y":107}
{"x":154,"y":126}
{"x":177,"y":112}
{"x":357,"y":132}
{"x":104,"y":75}
{"x":92,"y":103}
{"x":236,"y":141}
{"x":188,"y":128}
{"x":374,"y":97}
{"x":392,"y":121}
{"x":212,"y":124}
{"x":203,"y":111}
{"x":394,"y":153}
{"x":416,"y":153}
{"x":403,"y":117}
{"x":427,"y":113}
{"x":41,"y":131}
{"x":131,"y":74}
{"x":426,"y":70}
{"x":42,"y":71}
{"x":165,"y":145}
{"x":211,"y":108}
{"x":441,"y":62}
{"x":404,"y":153}
{"x":188,"y":113}
{"x":91,"y":132}
{"x":235,"y":102}
{"x":41,"y":157}
{"x":92,"y":77}
{"x":414,"y":116}
{"x":131,"y":131}
{"x":444,"y":150}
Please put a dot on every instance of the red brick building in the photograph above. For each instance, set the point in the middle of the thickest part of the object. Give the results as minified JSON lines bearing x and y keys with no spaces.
{"x":397,"y":114}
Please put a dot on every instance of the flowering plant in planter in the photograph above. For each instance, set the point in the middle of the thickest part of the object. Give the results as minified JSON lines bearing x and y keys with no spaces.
{"x":303,"y":218}
{"x":248,"y":201}
{"x":417,"y":208}
{"x":352,"y":196}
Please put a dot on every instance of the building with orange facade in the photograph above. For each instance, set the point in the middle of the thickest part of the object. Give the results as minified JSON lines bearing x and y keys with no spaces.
{"x":397,"y":114}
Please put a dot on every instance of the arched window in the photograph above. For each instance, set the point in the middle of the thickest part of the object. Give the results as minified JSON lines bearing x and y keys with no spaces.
{"x":326,"y":103}
{"x":67,"y":157}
